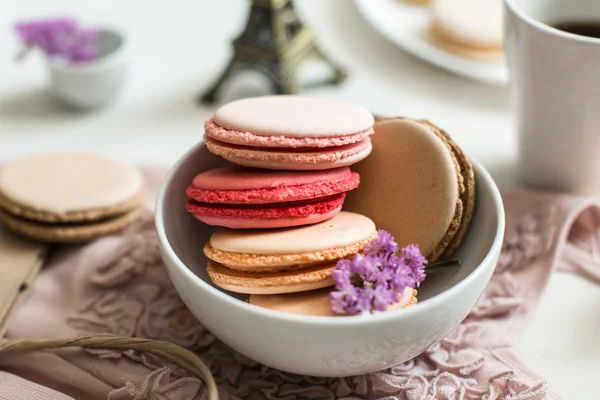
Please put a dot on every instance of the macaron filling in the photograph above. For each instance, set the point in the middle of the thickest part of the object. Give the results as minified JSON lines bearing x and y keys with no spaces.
{"x":241,"y":138}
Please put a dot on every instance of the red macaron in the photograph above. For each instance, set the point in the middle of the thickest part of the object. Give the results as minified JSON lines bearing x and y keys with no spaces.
{"x":241,"y":198}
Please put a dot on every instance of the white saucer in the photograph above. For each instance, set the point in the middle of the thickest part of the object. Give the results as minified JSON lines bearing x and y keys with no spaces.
{"x":406,"y":25}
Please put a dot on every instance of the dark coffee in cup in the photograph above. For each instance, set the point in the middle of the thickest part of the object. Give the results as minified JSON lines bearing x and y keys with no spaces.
{"x":582,"y":28}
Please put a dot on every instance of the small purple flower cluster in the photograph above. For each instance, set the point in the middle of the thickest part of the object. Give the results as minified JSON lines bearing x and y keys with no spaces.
{"x":60,"y":39}
{"x":374,"y":280}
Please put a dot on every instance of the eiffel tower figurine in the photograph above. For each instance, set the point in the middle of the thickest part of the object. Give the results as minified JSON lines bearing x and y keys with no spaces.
{"x":274,"y":43}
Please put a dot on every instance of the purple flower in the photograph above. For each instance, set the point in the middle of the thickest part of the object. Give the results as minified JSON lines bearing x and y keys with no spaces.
{"x":373,"y":281}
{"x":415,"y":260}
{"x":384,"y":243}
{"x":59,"y":39}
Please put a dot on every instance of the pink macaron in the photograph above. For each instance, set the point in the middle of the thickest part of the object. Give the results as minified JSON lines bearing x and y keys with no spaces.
{"x":290,"y":133}
{"x":243,"y":198}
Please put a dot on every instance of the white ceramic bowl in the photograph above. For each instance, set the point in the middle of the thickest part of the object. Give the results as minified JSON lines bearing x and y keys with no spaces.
{"x":324,"y":346}
{"x":96,"y":83}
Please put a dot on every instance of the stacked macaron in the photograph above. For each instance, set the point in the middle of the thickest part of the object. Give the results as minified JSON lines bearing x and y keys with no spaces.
{"x":279,"y":204}
{"x":69,"y":196}
{"x":241,"y":198}
{"x":290,"y":133}
{"x":292,"y":155}
{"x":275,"y":261}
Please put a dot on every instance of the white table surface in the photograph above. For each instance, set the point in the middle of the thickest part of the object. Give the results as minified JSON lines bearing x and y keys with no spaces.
{"x":179,"y":47}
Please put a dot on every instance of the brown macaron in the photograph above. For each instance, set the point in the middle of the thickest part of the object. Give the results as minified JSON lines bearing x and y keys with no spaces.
{"x":418,"y":185}
{"x":70,"y":196}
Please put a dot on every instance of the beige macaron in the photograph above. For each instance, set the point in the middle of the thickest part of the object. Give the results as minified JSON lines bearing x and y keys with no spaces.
{"x":299,"y":280}
{"x":286,"y":260}
{"x":273,"y":250}
{"x":469,"y":28}
{"x":316,"y":302}
{"x":69,"y":196}
{"x":418,"y":185}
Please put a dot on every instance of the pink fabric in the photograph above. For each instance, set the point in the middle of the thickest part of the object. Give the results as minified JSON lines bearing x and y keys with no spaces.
{"x":118,"y":285}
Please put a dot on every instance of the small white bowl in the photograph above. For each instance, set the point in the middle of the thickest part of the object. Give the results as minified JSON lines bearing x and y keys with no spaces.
{"x":96,"y":83}
{"x":324,"y":346}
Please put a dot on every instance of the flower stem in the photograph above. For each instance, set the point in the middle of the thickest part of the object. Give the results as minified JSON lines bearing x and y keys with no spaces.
{"x":442,"y":264}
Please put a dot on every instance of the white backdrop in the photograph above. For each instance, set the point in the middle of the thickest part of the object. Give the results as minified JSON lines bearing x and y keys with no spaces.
{"x":178,"y":47}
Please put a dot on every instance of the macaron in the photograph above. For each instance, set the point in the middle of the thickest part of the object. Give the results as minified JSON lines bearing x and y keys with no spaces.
{"x":418,"y":185}
{"x":285,"y":260}
{"x":310,"y":278}
{"x":240,"y":197}
{"x":317,"y":303}
{"x":469,"y":28}
{"x":69,"y":197}
{"x":290,"y":133}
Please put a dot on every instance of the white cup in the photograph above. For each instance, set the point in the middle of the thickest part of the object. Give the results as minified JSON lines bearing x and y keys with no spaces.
{"x":555,"y":89}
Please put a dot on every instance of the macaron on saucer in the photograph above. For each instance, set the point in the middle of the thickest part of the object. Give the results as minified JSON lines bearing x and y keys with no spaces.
{"x":469,"y":28}
{"x":430,"y":196}
{"x":240,"y":197}
{"x":290,"y":133}
{"x":285,"y":260}
{"x":69,"y":197}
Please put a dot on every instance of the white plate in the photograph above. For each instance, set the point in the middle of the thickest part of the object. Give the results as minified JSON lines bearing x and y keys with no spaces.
{"x":406,"y":25}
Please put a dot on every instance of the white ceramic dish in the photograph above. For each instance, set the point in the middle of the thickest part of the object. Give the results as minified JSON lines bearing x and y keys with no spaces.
{"x":96,"y":83}
{"x":324,"y":346}
{"x":405,"y":25}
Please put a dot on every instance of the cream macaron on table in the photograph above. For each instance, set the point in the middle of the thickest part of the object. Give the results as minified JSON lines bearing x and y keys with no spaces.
{"x":70,"y":196}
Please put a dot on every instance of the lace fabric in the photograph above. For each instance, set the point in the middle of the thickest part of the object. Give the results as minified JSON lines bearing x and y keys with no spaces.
{"x":118,"y":285}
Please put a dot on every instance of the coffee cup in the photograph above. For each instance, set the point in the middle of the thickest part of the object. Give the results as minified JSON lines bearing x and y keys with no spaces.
{"x":555,"y":91}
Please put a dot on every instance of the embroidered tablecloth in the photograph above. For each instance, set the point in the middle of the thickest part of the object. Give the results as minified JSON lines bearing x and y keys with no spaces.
{"x":118,"y":285}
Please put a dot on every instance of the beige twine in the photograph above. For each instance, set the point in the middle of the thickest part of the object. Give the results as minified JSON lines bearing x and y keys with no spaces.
{"x":168,"y":351}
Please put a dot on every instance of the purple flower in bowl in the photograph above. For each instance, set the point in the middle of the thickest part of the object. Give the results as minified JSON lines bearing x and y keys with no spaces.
{"x":62,"y":39}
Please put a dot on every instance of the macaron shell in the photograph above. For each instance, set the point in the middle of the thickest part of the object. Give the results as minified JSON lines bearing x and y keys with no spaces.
{"x":491,"y":54}
{"x":470,"y":23}
{"x":250,"y":139}
{"x":294,"y":116}
{"x":69,"y":187}
{"x":281,"y":262}
{"x":345,"y":162}
{"x":240,"y":185}
{"x":240,"y":178}
{"x":345,"y":229}
{"x":334,"y":157}
{"x":316,"y":302}
{"x":69,"y":233}
{"x":468,"y":188}
{"x":271,"y":283}
{"x":410,"y":185}
{"x":240,"y":222}
{"x":298,"y":209}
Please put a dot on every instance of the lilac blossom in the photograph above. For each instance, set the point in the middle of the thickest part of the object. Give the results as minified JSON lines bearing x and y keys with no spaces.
{"x":375,"y":279}
{"x":61,"y":39}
